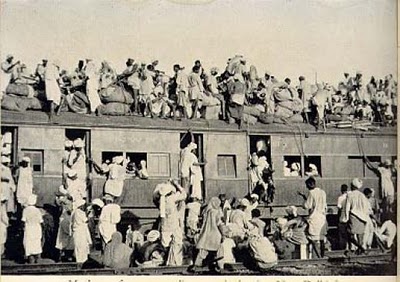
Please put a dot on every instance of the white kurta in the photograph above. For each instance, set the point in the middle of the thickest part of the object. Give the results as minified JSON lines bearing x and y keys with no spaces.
{"x":32,"y":217}
{"x":65,"y":239}
{"x":386,"y":182}
{"x":196,"y":179}
{"x":8,"y":187}
{"x":316,"y":204}
{"x":81,"y":235}
{"x":92,"y":86}
{"x":25,"y":184}
{"x":53,"y":92}
{"x":109,"y":217}
{"x":115,"y":181}
{"x":79,"y":165}
{"x":3,"y":226}
{"x":5,"y":77}
{"x":76,"y":189}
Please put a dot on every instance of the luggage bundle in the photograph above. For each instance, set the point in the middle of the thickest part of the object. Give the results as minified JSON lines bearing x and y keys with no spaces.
{"x":116,"y":101}
{"x":21,"y":97}
{"x":21,"y":104}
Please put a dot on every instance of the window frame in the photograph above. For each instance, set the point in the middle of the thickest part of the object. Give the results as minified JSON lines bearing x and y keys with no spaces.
{"x":226,"y":176}
{"x":302,"y":171}
{"x":168,"y":155}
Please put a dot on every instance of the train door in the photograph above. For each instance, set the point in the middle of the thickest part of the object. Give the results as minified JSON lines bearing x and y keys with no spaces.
{"x":84,"y":134}
{"x":9,"y":142}
{"x":185,"y":139}
{"x":261,"y":146}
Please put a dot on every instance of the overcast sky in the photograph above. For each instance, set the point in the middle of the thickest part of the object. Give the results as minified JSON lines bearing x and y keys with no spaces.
{"x":287,"y":37}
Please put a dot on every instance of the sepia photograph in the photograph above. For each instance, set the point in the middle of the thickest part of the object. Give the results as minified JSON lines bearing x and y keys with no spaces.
{"x":215,"y":138}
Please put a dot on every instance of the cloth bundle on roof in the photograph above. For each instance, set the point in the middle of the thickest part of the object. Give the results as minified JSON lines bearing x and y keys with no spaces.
{"x":15,"y":103}
{"x":283,"y":112}
{"x":114,"y":109}
{"x":78,"y":102}
{"x":249,"y":119}
{"x":36,"y":104}
{"x":251,"y":110}
{"x":266,"y":118}
{"x":24,"y":90}
{"x":281,"y":95}
{"x":296,"y":118}
{"x":115,"y":94}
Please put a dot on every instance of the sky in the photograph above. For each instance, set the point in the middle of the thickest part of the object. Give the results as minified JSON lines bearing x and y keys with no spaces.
{"x":286,"y":37}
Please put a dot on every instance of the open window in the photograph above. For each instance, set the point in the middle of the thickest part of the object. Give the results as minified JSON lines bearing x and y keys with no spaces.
{"x":226,"y":166}
{"x":107,"y":156}
{"x":134,"y":163}
{"x":36,"y":157}
{"x":292,"y":166}
{"x":312,"y":166}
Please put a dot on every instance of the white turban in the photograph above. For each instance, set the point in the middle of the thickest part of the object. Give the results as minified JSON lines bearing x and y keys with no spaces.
{"x":31,"y":200}
{"x":98,"y":202}
{"x":118,"y":159}
{"x":68,"y":144}
{"x":291,"y":210}
{"x":192,"y":146}
{"x":78,"y":203}
{"x":5,"y":159}
{"x":357,"y":183}
{"x":153,"y":236}
{"x":78,"y":143}
{"x":26,"y":159}
{"x":245,"y":203}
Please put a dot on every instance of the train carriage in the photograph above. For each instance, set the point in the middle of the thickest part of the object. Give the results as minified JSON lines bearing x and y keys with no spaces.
{"x":337,"y":153}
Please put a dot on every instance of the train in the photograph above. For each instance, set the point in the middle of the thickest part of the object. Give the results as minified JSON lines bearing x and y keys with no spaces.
{"x":337,"y":152}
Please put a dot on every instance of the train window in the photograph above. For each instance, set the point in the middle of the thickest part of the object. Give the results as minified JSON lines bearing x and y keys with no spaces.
{"x":36,"y":157}
{"x":136,"y":158}
{"x":291,"y":166}
{"x":312,"y":166}
{"x":226,"y":166}
{"x":107,"y":156}
{"x":158,"y":164}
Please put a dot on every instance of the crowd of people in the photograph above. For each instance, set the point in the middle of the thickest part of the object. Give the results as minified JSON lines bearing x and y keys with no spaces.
{"x":189,"y":229}
{"x":236,"y":94}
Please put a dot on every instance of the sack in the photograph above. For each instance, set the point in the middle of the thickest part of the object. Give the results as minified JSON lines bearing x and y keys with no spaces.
{"x":36,"y":104}
{"x":283,"y":112}
{"x":14,"y":103}
{"x":266,"y":118}
{"x":79,"y":103}
{"x":282,"y":95}
{"x":114,"y":109}
{"x":212,"y":112}
{"x":249,"y":119}
{"x":251,"y":111}
{"x":115,"y":94}
{"x":23,"y":90}
{"x":297,"y":118}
